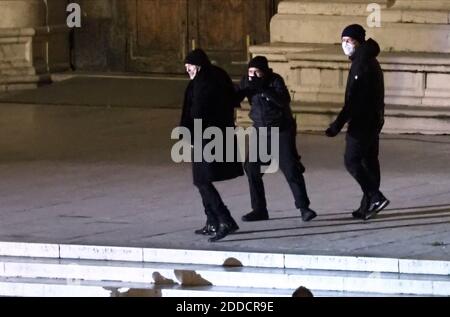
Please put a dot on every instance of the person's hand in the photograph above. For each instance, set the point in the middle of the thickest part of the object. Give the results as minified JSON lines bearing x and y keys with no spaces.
{"x":331,"y":131}
{"x":256,"y":84}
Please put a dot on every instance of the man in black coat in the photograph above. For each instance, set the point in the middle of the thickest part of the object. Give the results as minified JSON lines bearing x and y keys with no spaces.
{"x":210,"y":96}
{"x":270,"y":100}
{"x":364,"y":112}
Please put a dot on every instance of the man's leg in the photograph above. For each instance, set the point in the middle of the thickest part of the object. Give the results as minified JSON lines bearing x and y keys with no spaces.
{"x":356,"y":152}
{"x":363,"y":207}
{"x":257,"y":192}
{"x":211,"y":219}
{"x":371,"y":162}
{"x":293,"y":170}
{"x":225,"y":222}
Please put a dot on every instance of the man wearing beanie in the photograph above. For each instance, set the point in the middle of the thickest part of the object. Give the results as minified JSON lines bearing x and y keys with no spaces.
{"x":270,"y":107}
{"x":210,"y":96}
{"x":364,"y":111}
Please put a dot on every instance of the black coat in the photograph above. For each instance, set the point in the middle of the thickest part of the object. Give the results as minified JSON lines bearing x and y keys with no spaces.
{"x":210,"y":96}
{"x":270,"y":104}
{"x":364,"y":95}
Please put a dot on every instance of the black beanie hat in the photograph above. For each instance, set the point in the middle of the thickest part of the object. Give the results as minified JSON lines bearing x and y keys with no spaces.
{"x":197,"y":57}
{"x":355,"y":31}
{"x":259,"y":62}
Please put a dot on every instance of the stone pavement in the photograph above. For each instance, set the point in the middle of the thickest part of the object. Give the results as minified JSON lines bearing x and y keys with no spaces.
{"x":102,"y":175}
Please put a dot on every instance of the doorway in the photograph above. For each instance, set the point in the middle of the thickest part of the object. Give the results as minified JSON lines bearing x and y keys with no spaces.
{"x":162,"y":32}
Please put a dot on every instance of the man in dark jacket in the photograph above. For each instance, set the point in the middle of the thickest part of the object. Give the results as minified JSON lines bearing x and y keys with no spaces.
{"x":210,"y":96}
{"x":364,"y":112}
{"x":270,"y":107}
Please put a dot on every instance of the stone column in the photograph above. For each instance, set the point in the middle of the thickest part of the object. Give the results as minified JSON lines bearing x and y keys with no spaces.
{"x":33,"y":42}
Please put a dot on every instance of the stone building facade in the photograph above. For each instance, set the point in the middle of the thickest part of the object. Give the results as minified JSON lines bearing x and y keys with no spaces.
{"x":301,"y":38}
{"x":415,"y":40}
{"x":33,"y":42}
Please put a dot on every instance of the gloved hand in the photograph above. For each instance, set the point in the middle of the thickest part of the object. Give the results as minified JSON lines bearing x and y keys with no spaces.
{"x":332,"y":131}
{"x":256,"y":84}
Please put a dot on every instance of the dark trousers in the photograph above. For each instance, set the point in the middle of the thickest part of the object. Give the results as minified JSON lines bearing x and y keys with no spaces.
{"x":361,"y":161}
{"x":290,"y":165}
{"x":215,"y":210}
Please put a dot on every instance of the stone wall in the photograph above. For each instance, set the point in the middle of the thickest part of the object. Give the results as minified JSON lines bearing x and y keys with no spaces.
{"x":33,"y":42}
{"x":414,"y":36}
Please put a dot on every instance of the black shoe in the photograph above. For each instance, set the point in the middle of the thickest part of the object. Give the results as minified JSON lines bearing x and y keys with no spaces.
{"x":357,"y":214}
{"x":308,"y":214}
{"x":256,"y":216}
{"x":207,"y":230}
{"x":224,"y":230}
{"x":375,"y":208}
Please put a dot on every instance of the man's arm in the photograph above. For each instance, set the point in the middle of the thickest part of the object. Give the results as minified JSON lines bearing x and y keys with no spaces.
{"x":201,"y":100}
{"x":278,"y":93}
{"x":242,"y":90}
{"x":185,"y":119}
{"x":351,"y":106}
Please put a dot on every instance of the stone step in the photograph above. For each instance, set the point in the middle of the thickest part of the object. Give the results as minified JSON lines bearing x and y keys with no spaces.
{"x":16,"y":71}
{"x":185,"y":269}
{"x":40,"y":287}
{"x":223,"y":258}
{"x":392,"y":36}
{"x":226,"y":276}
{"x":321,"y":7}
{"x":398,"y":118}
{"x":24,"y":79}
{"x":318,"y":73}
{"x":390,"y":13}
{"x":82,"y":288}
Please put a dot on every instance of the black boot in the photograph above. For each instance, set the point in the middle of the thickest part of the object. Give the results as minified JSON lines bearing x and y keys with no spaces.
{"x":207,"y":230}
{"x":361,"y":211}
{"x":358,"y":214}
{"x":376,"y":205}
{"x":308,"y":214}
{"x":211,"y":224}
{"x":223,"y":230}
{"x":256,"y":215}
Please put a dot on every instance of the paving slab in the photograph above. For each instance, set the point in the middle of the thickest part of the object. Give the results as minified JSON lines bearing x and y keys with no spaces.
{"x":101,"y":175}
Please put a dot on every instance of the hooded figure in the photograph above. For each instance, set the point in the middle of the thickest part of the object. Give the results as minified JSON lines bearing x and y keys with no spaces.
{"x":210,"y":97}
{"x":364,"y":112}
{"x":270,"y":107}
{"x":364,"y":94}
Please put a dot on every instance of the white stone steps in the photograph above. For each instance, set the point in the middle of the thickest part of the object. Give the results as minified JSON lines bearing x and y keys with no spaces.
{"x":210,"y":257}
{"x":26,"y":287}
{"x":245,"y":277}
{"x":207,"y":271}
{"x":21,"y":287}
{"x":42,"y":287}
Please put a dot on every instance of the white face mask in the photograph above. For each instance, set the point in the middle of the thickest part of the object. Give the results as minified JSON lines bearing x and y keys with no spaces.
{"x":192,"y":70}
{"x":349,"y":49}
